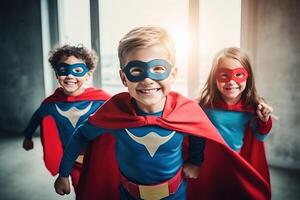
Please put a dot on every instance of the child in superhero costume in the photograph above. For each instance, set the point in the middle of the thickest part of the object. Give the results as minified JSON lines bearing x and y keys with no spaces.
{"x":147,"y":154}
{"x":160,"y":137}
{"x":230,"y":100}
{"x":63,"y":111}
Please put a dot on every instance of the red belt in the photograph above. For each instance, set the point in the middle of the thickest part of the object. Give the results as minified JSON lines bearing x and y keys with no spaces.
{"x":157,"y":191}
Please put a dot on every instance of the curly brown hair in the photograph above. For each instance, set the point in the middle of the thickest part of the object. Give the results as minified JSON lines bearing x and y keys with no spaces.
{"x":59,"y":54}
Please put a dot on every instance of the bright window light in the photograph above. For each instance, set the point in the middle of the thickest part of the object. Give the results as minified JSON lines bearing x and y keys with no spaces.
{"x":220,"y":27}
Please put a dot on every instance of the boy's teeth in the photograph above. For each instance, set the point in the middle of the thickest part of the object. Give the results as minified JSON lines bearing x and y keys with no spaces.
{"x":70,"y":82}
{"x":148,"y":90}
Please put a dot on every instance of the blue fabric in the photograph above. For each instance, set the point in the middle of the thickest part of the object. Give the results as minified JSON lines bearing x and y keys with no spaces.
{"x":258,"y":135}
{"x":136,"y":162}
{"x":64,"y":125}
{"x":232,"y":126}
{"x":77,"y":69}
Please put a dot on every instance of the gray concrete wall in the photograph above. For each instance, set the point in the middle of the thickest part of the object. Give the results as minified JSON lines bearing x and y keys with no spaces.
{"x":21,"y":76}
{"x":271,"y":33}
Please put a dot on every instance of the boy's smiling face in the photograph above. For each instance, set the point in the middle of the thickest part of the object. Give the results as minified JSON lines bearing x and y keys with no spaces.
{"x":71,"y":84}
{"x":150,"y":95}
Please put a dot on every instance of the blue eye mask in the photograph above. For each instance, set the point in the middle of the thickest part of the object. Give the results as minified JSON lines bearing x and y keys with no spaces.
{"x":77,"y":69}
{"x":157,"y":69}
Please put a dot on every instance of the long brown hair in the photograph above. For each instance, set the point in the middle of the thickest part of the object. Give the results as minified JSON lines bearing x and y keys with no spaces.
{"x":210,"y":91}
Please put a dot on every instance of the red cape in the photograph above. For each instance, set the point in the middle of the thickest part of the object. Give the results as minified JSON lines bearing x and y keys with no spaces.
{"x":223,"y":175}
{"x":52,"y":147}
{"x":89,"y":94}
{"x":253,"y":150}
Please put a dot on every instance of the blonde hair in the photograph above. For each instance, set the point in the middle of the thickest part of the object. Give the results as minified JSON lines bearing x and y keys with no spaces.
{"x":210,"y":91}
{"x":144,"y":37}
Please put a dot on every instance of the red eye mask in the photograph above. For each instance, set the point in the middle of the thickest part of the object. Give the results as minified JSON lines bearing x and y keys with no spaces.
{"x":239,"y":75}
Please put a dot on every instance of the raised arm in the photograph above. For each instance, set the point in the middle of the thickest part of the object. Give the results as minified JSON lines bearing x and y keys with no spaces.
{"x":263,"y":120}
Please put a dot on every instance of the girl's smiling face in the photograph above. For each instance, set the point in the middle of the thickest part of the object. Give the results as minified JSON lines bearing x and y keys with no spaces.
{"x":231,"y":80}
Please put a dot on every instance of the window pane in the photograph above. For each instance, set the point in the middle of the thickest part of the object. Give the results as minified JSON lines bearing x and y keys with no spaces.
{"x":74,"y":22}
{"x":117,"y":17}
{"x":220,"y":26}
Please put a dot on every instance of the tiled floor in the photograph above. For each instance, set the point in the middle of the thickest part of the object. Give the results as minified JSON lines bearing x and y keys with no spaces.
{"x":23,"y":175}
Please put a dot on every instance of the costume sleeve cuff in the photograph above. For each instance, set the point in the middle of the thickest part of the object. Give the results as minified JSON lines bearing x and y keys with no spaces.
{"x":28,"y":137}
{"x":64,"y":173}
{"x":264,"y":127}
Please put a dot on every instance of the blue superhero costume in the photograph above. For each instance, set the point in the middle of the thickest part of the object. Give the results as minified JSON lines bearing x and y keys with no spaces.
{"x":232,"y":121}
{"x":243,"y":131}
{"x":59,"y":115}
{"x":146,"y":155}
{"x":222,"y":174}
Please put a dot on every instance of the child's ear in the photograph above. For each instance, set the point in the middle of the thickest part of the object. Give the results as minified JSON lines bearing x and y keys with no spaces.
{"x":90,"y":73}
{"x":174,"y":73}
{"x":123,"y":77}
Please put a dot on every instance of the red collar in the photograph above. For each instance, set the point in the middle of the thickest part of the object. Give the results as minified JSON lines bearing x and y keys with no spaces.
{"x":240,"y":106}
{"x":89,"y":94}
{"x":180,"y":114}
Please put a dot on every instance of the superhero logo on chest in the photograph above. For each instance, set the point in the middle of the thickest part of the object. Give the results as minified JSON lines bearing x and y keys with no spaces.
{"x":73,"y":114}
{"x":151,"y":141}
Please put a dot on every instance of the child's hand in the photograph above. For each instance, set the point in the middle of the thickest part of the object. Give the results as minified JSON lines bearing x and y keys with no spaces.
{"x":264,"y":112}
{"x":62,"y":185}
{"x":190,"y":170}
{"x":27,"y":144}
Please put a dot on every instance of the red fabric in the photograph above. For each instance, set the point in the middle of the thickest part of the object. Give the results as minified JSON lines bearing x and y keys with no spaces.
{"x":253,"y":150}
{"x":99,"y":177}
{"x":133,"y":189}
{"x":240,"y":106}
{"x":223,"y":175}
{"x":264,"y":127}
{"x":75,"y":174}
{"x":51,"y":143}
{"x":50,"y":138}
{"x":90,"y":94}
